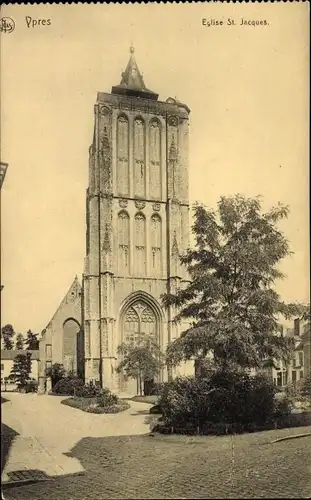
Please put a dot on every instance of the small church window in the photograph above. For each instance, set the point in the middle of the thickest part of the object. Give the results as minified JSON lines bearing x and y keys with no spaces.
{"x":123,"y":155}
{"x":156,"y":244}
{"x":140,"y":244}
{"x":139,"y":158}
{"x":155,"y":159}
{"x":48,"y":351}
{"x":123,"y":242}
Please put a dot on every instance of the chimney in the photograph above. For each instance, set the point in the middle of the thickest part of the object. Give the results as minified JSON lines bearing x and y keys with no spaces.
{"x":297,"y":327}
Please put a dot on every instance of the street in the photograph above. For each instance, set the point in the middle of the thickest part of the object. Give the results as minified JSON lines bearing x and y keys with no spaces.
{"x":85,"y":456}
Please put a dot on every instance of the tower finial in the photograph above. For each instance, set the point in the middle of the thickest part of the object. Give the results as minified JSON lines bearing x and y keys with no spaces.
{"x":132,"y":82}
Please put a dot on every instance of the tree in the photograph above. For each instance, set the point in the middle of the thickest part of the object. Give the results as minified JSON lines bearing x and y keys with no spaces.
{"x":20,"y":372}
{"x":230,"y":303}
{"x":306,"y":314}
{"x":19,"y":343}
{"x":32,"y":341}
{"x":142,"y":361}
{"x":7,"y":334}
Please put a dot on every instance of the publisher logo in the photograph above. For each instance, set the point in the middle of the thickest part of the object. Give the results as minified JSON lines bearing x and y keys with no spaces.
{"x":7,"y":25}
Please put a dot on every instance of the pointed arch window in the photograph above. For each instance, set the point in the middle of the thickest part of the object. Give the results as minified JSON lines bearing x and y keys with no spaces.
{"x":140,"y":244}
{"x":131,"y":326}
{"x":140,"y":323}
{"x":139,"y":158}
{"x":123,"y":155}
{"x":156,"y":244}
{"x":155,"y":159}
{"x":123,"y":242}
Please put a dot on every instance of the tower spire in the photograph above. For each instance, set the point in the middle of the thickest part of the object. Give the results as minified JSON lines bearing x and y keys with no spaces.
{"x":132,"y":82}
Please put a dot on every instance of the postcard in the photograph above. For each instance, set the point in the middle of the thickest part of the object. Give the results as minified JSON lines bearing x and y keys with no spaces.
{"x":155,"y":277}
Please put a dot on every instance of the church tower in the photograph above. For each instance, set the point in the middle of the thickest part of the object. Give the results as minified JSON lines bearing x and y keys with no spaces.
{"x":137,"y":215}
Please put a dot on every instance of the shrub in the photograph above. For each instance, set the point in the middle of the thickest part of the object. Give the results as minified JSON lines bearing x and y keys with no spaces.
{"x":90,"y":405}
{"x":156,"y":389}
{"x":56,"y":372}
{"x":261,"y":400}
{"x":233,"y":399}
{"x":120,"y":406}
{"x":293,"y":391}
{"x":306,"y":387}
{"x":68,"y":385}
{"x":184,"y":400}
{"x":31,"y":386}
{"x":89,"y":390}
{"x":106,"y":398}
{"x":283,"y":408}
{"x":155,"y":410}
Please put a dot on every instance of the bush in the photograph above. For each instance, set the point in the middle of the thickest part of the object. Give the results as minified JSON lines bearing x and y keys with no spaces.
{"x":56,"y":372}
{"x":306,"y":387}
{"x":106,"y":398}
{"x":156,"y":389}
{"x":86,"y":395}
{"x":283,"y":408}
{"x":67,"y":386}
{"x":155,"y":410}
{"x":232,"y":399}
{"x":120,"y":406}
{"x":89,"y":390}
{"x":31,"y":386}
{"x":105,"y":402}
{"x":293,"y":391}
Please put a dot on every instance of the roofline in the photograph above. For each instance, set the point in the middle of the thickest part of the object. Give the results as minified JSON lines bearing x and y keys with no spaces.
{"x":177,"y":105}
{"x":45,"y":328}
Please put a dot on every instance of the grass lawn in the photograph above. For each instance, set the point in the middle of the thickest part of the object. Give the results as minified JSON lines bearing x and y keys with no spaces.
{"x":152,"y":400}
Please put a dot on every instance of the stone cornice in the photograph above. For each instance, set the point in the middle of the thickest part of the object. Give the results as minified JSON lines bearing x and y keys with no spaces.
{"x":143,"y":105}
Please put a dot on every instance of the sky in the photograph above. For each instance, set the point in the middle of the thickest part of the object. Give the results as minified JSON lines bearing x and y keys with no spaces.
{"x":248,"y":91}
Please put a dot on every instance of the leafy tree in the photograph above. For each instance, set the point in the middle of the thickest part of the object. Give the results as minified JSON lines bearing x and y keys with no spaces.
{"x":7,"y":334}
{"x":306,"y":387}
{"x":20,"y":372}
{"x":306,"y":315}
{"x":32,"y":341}
{"x":230,"y":302}
{"x":19,"y":343}
{"x":56,"y":372}
{"x":142,"y":361}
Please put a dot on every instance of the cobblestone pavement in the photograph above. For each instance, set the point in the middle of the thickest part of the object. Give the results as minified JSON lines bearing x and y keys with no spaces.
{"x":134,"y":467}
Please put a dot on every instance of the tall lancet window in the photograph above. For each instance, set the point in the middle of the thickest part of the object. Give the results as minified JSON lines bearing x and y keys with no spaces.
{"x":123,"y":243}
{"x":140,"y":244}
{"x":155,"y":159}
{"x":139,"y":158}
{"x":156,"y":245}
{"x":123,"y":155}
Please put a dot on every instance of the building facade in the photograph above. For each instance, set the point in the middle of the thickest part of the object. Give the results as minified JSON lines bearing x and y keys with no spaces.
{"x":7,"y":361}
{"x":137,"y":218}
{"x":299,"y":364}
{"x":62,"y":341}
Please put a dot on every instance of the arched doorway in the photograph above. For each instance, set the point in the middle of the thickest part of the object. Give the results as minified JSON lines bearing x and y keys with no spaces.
{"x":140,"y":319}
{"x":73,"y":346}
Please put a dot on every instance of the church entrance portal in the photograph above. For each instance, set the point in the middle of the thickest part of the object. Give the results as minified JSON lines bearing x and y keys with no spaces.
{"x":139,"y":323}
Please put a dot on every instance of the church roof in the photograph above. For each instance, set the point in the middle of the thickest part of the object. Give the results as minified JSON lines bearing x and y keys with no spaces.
{"x":73,"y":293}
{"x":132,"y":82}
